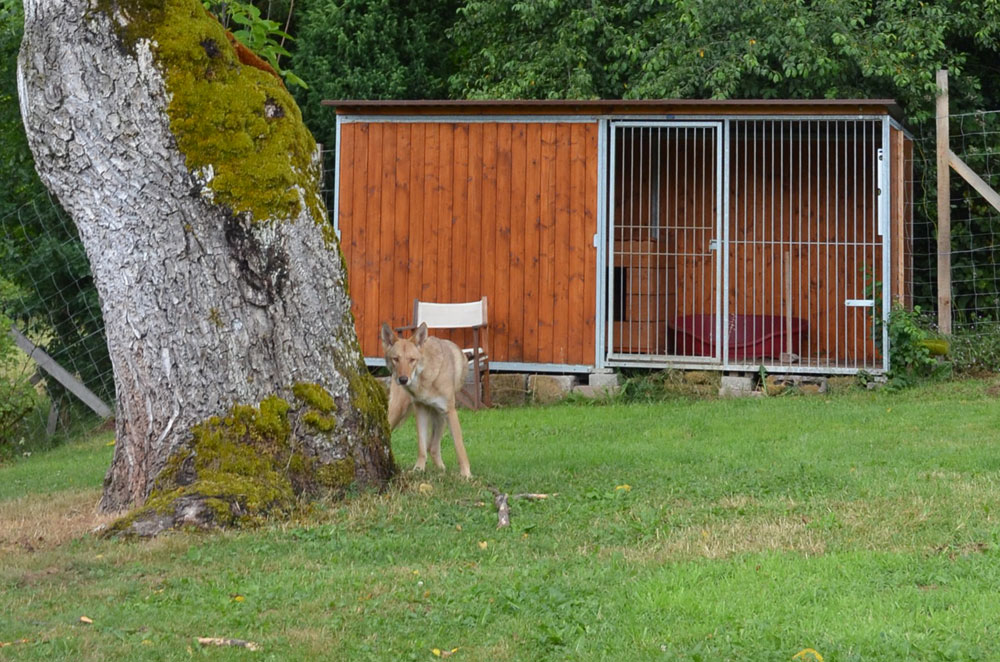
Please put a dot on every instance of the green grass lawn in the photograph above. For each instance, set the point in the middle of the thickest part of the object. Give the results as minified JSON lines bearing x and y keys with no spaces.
{"x":861,"y":525}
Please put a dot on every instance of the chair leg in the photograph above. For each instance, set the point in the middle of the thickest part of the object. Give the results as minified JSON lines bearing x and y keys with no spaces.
{"x":487,"y":398}
{"x":463,"y":398}
{"x":477,"y":383}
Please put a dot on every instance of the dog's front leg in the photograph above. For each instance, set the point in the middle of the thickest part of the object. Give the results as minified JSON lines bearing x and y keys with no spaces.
{"x":456,"y":435}
{"x":424,"y":424}
{"x":436,"y":433}
{"x":400,"y":404}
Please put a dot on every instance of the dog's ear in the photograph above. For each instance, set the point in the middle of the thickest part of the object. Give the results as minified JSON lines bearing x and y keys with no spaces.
{"x":388,"y":337}
{"x":421,"y":335}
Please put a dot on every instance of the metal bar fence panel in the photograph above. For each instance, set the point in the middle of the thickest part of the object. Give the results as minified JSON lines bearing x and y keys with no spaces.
{"x":791,"y":281}
{"x":664,"y":243}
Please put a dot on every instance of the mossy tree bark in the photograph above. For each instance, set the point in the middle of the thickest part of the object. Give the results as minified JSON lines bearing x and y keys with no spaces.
{"x":193,"y":184}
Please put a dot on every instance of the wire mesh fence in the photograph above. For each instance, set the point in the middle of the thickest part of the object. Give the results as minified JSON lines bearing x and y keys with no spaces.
{"x":47,"y":290}
{"x":923,"y":283}
{"x":975,"y":225}
{"x":975,"y":230}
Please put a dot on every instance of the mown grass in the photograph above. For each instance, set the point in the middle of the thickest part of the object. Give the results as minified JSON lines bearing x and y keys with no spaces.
{"x":861,"y":525}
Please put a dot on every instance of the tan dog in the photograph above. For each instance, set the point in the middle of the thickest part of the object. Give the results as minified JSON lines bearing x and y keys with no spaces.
{"x":427,"y":372}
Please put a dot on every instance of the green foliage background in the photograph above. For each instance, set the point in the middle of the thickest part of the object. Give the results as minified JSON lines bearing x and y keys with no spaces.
{"x":729,"y":49}
{"x":394,"y":49}
{"x":370,"y":49}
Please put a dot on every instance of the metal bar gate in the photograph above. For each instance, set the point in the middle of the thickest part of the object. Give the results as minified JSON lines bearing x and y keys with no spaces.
{"x":747,"y":242}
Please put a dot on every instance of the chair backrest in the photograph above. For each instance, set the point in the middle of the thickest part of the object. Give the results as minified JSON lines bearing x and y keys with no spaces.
{"x":450,"y":315}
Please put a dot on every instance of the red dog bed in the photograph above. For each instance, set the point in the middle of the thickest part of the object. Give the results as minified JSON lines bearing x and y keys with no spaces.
{"x":750,"y":336}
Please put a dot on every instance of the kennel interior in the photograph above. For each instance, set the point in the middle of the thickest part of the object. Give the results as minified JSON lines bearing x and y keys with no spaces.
{"x":750,"y":241}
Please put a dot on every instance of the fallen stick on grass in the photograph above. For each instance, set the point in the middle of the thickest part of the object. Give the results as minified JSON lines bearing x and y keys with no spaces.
{"x":531,"y":495}
{"x":239,"y":643}
{"x":501,"y":501}
{"x":4,"y":644}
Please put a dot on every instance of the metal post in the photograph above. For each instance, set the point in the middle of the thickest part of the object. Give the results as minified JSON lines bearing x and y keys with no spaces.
{"x":884,"y":225}
{"x":604,"y":323}
{"x":335,"y":212}
{"x":943,"y":207}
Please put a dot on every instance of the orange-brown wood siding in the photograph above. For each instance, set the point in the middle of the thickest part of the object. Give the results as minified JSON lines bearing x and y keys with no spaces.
{"x":452,"y":211}
{"x":901,"y":173}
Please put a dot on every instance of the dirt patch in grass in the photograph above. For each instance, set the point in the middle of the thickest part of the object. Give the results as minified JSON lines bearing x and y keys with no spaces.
{"x":746,"y":535}
{"x":737,"y":502}
{"x":33,"y":578}
{"x":38,"y":522}
{"x":721,"y":540}
{"x":968,"y":549}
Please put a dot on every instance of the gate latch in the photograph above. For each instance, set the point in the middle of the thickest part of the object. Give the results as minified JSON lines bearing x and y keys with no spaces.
{"x":713,"y":244}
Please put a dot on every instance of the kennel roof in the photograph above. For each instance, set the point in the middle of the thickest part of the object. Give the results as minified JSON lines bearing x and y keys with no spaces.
{"x":659,"y":107}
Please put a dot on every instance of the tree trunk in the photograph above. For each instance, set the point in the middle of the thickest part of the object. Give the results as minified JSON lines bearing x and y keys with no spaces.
{"x":194,"y":188}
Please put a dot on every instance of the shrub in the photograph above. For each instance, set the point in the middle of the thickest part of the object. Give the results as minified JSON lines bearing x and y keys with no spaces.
{"x":976,"y":349}
{"x":18,"y":397}
{"x":912,"y":357}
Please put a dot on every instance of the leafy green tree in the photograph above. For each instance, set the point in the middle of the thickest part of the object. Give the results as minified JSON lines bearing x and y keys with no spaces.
{"x":801,"y":49}
{"x":729,"y":49}
{"x":370,"y":49}
{"x":537,"y":50}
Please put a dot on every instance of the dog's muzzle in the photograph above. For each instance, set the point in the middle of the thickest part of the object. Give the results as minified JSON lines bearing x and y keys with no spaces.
{"x":402,"y":380}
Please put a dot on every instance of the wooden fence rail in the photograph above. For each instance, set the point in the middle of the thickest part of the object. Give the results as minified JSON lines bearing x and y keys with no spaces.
{"x":49,"y":365}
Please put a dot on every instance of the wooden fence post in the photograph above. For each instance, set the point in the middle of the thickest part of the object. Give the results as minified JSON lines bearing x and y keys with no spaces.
{"x":60,"y":374}
{"x":943,"y":206}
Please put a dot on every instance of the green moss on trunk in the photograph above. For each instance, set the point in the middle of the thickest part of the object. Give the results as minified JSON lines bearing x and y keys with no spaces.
{"x":237,"y":126}
{"x":248,"y":466}
{"x":336,"y":474}
{"x":315,"y":396}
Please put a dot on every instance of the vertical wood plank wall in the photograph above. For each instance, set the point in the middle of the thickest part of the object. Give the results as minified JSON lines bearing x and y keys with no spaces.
{"x":452,"y":211}
{"x":901,"y":169}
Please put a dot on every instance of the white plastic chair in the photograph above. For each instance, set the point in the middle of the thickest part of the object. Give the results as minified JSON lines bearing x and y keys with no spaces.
{"x":468,"y":315}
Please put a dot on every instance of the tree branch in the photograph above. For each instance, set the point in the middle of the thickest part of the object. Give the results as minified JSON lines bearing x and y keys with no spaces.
{"x":502,"y":502}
